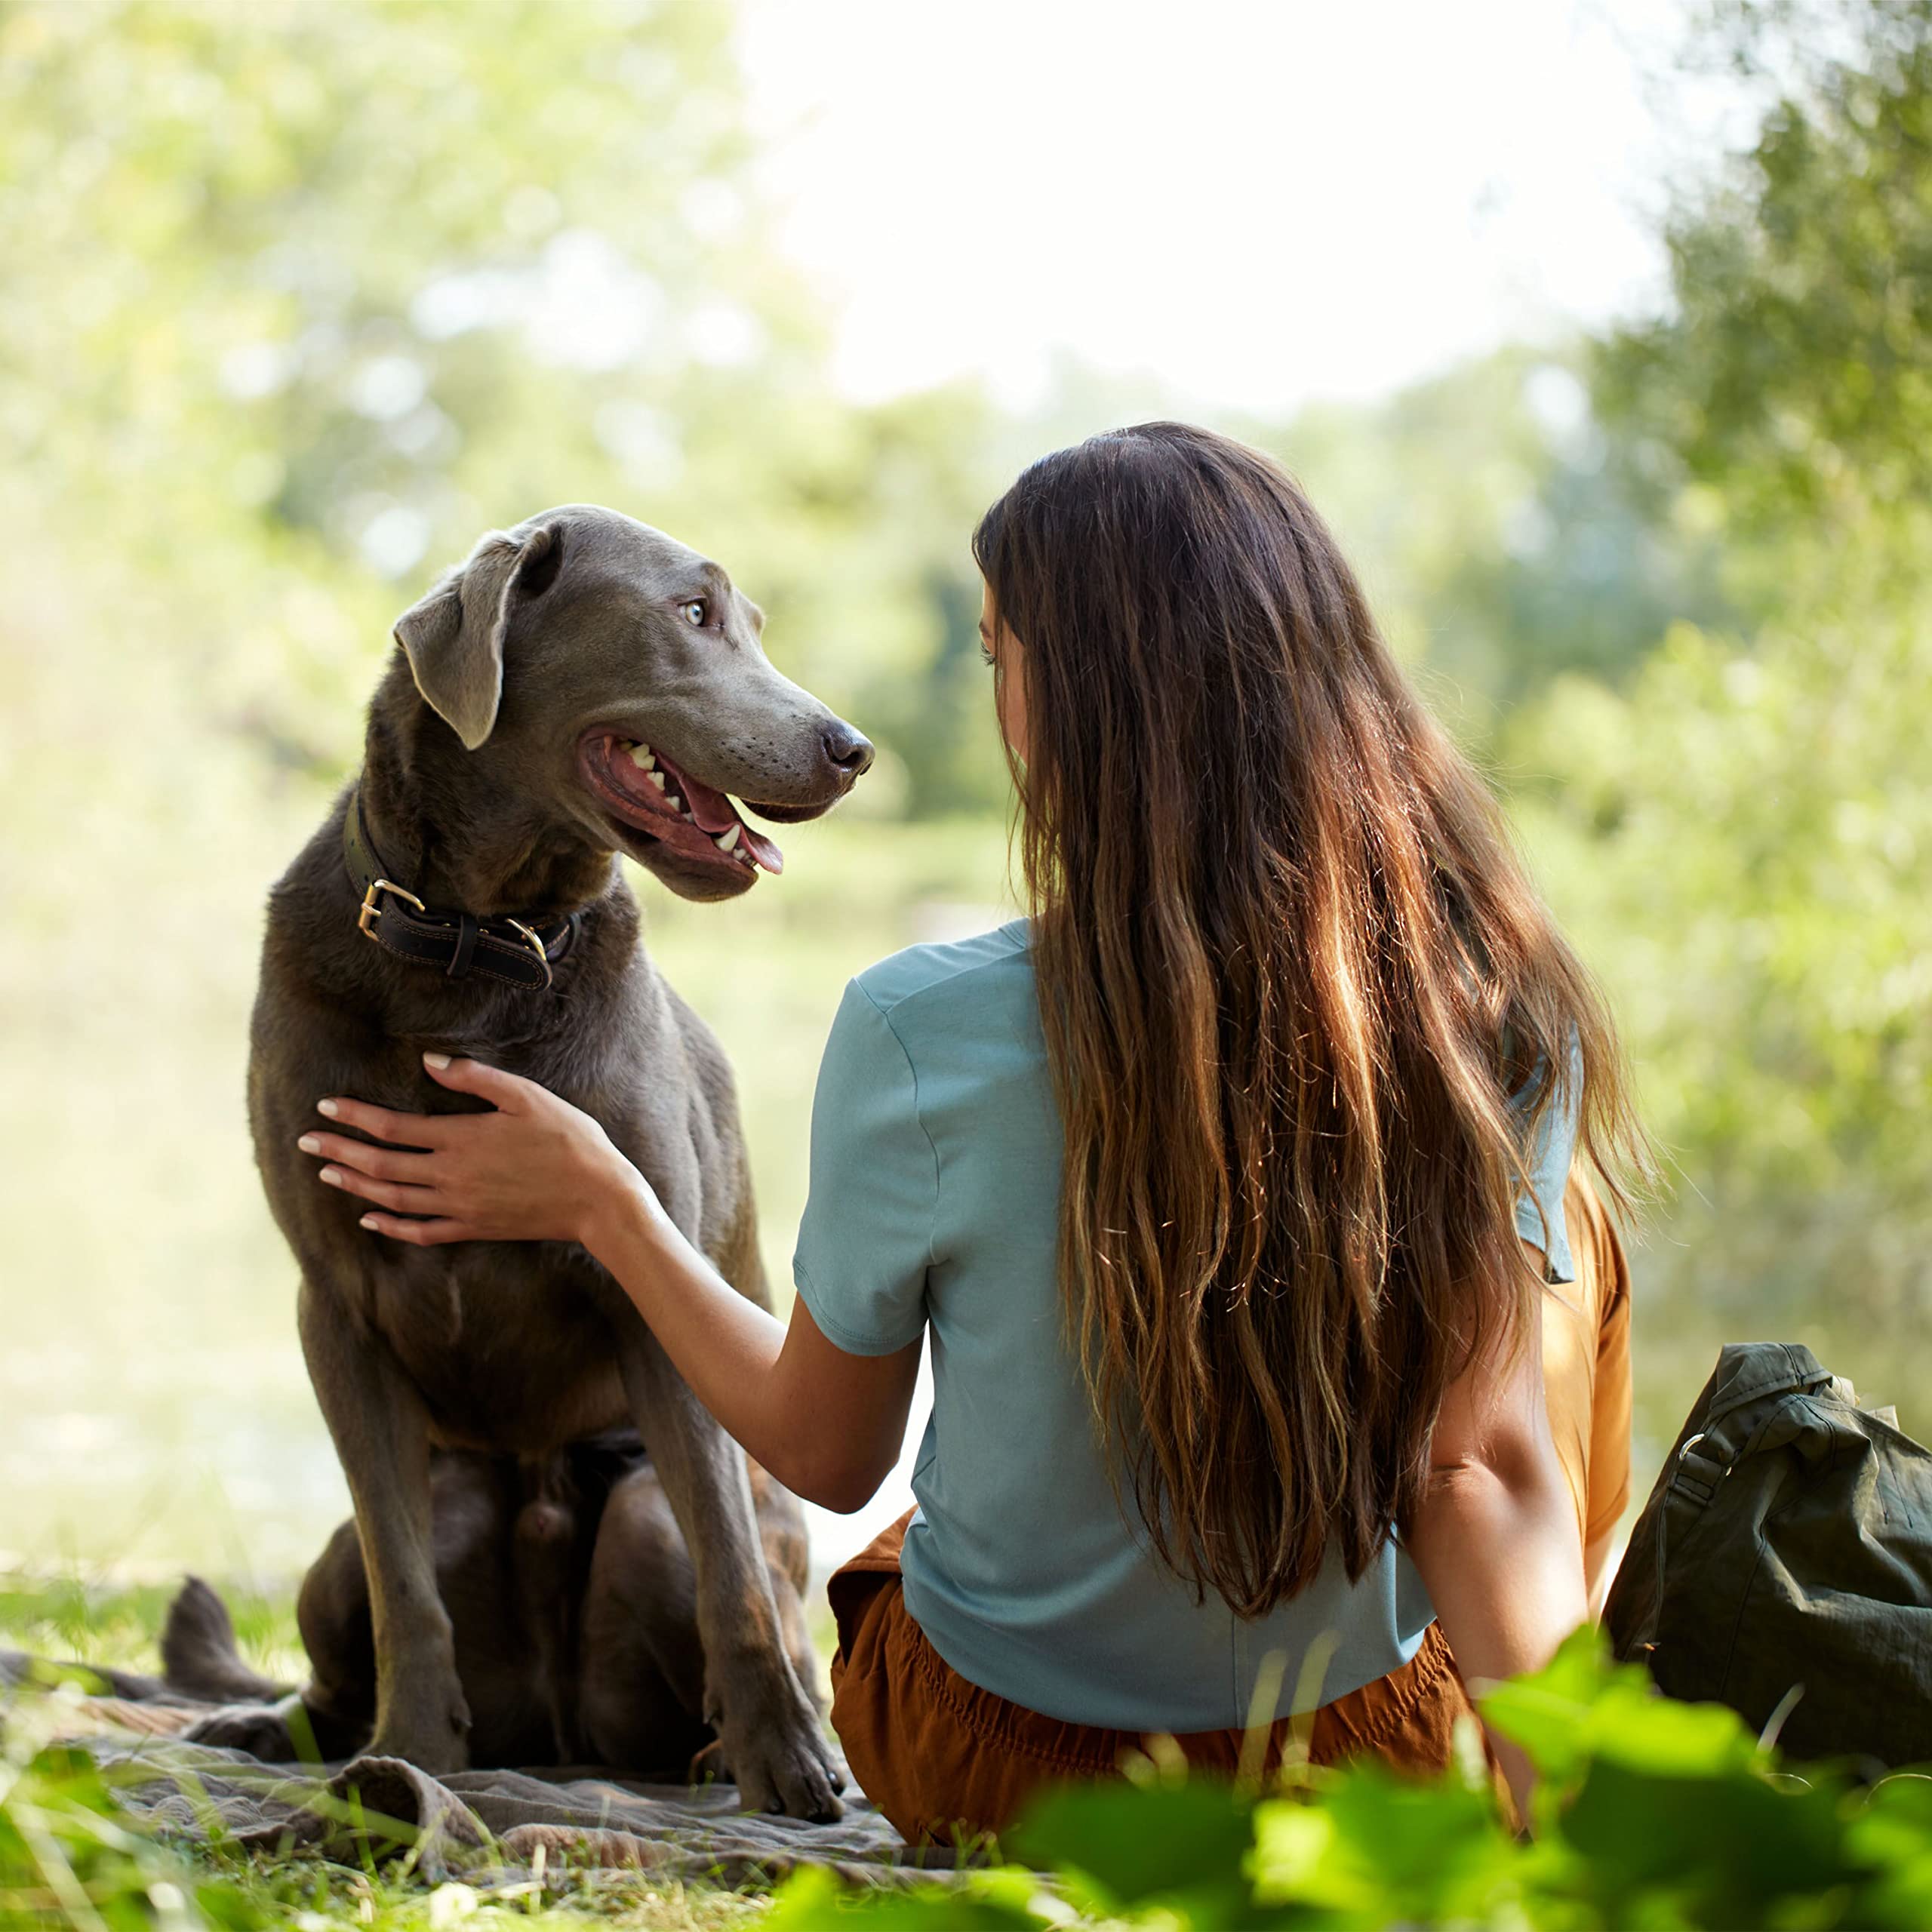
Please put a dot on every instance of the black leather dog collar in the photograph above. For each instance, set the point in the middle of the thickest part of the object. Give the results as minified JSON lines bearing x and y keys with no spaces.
{"x":498,"y":948}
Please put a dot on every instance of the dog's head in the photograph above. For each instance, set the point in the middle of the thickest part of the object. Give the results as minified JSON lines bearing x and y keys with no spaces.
{"x":605,"y":669}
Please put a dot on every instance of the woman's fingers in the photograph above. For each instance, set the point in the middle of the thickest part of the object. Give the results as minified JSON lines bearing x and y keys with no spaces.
{"x":387,"y":1194}
{"x":403,"y":1130}
{"x":505,"y":1091}
{"x":381,"y":1163}
{"x":418,"y":1234}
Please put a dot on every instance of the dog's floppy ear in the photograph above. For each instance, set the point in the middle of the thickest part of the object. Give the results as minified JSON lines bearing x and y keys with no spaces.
{"x":453,"y":638}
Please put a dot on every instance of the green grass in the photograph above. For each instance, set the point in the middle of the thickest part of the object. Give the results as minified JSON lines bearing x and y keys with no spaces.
{"x":79,"y":1859}
{"x":72,"y":1613}
{"x":1648,"y":1813}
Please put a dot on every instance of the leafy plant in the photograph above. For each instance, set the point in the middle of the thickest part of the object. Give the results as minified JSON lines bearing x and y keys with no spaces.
{"x":1649,"y":1814}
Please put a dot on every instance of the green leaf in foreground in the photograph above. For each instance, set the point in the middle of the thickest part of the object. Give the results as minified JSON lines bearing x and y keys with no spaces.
{"x":1180,"y":1843}
{"x":1375,"y":1847}
{"x":1728,"y":1849}
{"x":814,"y":1897}
{"x":1582,"y":1707}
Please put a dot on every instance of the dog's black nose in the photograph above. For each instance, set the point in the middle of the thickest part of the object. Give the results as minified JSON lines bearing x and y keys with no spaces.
{"x":846,"y":749}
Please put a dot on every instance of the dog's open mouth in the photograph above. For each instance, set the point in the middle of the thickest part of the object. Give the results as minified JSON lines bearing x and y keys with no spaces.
{"x":653,"y":796}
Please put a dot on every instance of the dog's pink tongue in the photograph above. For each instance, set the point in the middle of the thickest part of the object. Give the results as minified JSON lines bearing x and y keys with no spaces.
{"x":764,"y":850}
{"x":711,"y":810}
{"x":714,"y":813}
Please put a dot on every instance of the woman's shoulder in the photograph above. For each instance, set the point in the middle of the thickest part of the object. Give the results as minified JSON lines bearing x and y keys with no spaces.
{"x":922,"y":982}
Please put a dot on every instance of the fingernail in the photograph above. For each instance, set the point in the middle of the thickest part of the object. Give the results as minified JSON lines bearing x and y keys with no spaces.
{"x":332,"y":1175}
{"x":439,"y":1061}
{"x":309,"y":1144}
{"x":328,"y":1107}
{"x":369,"y":1221}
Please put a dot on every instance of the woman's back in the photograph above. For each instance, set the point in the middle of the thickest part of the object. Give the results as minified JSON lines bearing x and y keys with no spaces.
{"x":937,"y":1158}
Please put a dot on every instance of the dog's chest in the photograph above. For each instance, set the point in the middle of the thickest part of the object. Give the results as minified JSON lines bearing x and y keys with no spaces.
{"x":512,"y":1345}
{"x":515,"y":1345}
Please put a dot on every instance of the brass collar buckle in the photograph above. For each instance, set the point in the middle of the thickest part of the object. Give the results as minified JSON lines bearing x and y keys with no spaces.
{"x":371,"y":911}
{"x":535,"y":945}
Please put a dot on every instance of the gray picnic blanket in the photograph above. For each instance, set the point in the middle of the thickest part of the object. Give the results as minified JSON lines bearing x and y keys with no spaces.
{"x":486,"y":1827}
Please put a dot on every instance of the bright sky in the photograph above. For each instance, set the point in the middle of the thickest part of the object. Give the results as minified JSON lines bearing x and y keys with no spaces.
{"x":1257,"y":201}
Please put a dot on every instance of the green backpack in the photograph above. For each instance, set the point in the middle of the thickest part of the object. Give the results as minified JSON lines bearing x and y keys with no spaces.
{"x":1784,"y":1563}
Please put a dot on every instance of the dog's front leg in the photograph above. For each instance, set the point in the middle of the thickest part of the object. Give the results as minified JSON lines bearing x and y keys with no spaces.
{"x":381,"y":1438}
{"x":770,"y":1733}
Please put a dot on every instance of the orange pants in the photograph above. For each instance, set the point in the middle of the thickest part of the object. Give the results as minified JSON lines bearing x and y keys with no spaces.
{"x":937,"y":1754}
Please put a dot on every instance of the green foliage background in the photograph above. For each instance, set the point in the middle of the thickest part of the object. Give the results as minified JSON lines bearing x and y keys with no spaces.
{"x":299,"y":297}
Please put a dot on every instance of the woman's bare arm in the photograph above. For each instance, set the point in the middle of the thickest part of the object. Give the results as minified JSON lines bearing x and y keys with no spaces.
{"x":1495,"y":1540}
{"x":828,"y":1425}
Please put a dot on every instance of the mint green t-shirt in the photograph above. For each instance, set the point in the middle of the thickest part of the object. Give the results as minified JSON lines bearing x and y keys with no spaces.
{"x":935,"y":1155}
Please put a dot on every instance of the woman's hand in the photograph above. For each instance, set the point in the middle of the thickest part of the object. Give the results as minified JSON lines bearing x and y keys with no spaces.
{"x":536,"y":1169}
{"x":827,"y":1424}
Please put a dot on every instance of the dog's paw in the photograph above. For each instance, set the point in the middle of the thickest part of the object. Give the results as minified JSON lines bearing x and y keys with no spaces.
{"x":779,"y":1757}
{"x":430,"y":1731}
{"x":262,"y":1730}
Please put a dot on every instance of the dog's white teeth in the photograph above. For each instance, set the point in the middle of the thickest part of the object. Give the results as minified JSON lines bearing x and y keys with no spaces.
{"x":726,"y":841}
{"x":656,"y":778}
{"x":643,"y":758}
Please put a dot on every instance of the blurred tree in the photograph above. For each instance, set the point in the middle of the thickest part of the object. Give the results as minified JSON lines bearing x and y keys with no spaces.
{"x":1741,"y":844}
{"x":1743,"y":838}
{"x":1504,"y":538}
{"x":1793,"y":375}
{"x":303,"y":296}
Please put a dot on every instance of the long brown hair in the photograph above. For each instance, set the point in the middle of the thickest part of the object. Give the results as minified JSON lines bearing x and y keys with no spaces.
{"x":1289,"y":973}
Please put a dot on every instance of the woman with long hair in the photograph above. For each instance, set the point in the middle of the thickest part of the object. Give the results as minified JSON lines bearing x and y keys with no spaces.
{"x":1237,"y":1187}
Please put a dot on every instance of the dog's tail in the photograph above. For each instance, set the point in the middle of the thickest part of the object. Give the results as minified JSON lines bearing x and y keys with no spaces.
{"x":199,"y":1656}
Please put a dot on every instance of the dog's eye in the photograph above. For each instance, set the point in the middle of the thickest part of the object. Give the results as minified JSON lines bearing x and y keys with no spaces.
{"x":696,"y":613}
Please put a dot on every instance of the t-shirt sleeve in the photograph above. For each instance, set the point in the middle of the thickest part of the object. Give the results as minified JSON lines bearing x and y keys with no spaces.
{"x":1546,"y":1167}
{"x":865,"y":1241}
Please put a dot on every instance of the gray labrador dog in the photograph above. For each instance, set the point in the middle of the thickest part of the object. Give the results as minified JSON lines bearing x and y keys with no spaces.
{"x":582,"y":686}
